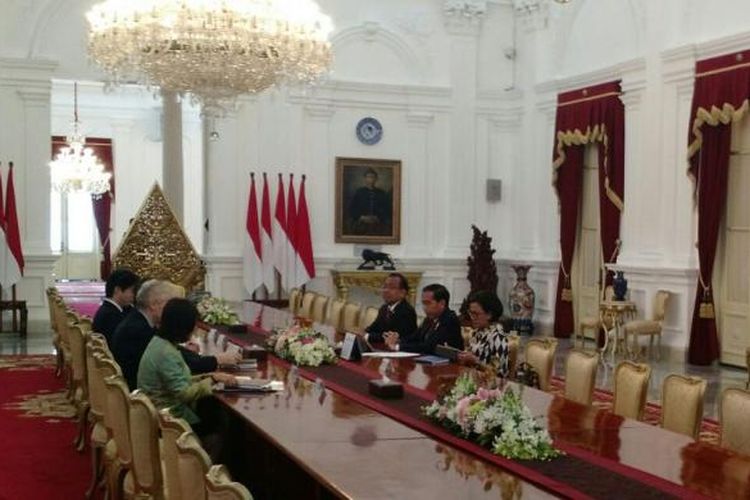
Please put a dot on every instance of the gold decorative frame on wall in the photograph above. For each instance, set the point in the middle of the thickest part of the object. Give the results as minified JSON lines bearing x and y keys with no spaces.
{"x":368,"y":214}
{"x":155,"y":246}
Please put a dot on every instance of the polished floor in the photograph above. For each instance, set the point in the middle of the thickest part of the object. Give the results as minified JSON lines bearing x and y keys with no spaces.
{"x":719,"y":377}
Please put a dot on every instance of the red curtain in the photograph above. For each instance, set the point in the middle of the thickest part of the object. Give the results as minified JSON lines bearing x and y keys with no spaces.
{"x":102,"y":206}
{"x":722,"y":89}
{"x":587,"y":116}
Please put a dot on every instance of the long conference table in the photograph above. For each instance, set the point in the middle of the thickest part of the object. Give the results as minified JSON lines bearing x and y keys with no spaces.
{"x":324,"y":436}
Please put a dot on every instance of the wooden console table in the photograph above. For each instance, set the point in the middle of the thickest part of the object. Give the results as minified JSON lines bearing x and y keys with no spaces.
{"x":15,"y":306}
{"x":371,"y":280}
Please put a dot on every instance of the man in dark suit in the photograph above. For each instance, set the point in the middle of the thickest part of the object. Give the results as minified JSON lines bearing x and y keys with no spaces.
{"x":396,"y":315}
{"x":441,"y":325}
{"x":119,"y":296}
{"x":133,"y":334}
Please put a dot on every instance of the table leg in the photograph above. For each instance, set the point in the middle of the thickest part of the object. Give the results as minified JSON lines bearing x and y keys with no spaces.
{"x":24,"y":321}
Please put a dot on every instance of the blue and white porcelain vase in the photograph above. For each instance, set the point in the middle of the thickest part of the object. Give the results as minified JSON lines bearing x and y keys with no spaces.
{"x":521,"y":302}
{"x":620,"y":286}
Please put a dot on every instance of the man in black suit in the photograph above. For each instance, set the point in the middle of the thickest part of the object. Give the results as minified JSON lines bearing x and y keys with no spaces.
{"x":119,"y":296}
{"x":396,"y":315}
{"x":441,"y":325}
{"x":133,"y":334}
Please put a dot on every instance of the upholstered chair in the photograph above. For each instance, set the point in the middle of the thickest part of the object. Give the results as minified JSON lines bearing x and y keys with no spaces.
{"x":61,"y":320}
{"x":631,"y":389}
{"x":367,"y":317}
{"x":193,"y":465}
{"x":97,"y":370}
{"x":219,"y":486}
{"x":350,"y":321}
{"x":540,"y":354}
{"x":319,"y":306}
{"x":144,"y":441}
{"x":651,"y":327}
{"x":294,"y":300}
{"x":734,"y":410}
{"x":171,"y":429}
{"x":580,"y":376}
{"x":514,"y":342}
{"x":52,"y":297}
{"x":682,"y":404}
{"x":335,"y":314}
{"x":593,"y":323}
{"x":118,"y":418}
{"x":79,"y":380}
{"x":305,"y":309}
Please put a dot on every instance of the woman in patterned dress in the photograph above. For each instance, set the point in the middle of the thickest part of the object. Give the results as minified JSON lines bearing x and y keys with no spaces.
{"x":489,"y":343}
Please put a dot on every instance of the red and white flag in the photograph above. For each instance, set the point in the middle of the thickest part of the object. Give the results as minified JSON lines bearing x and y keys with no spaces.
{"x":305,"y":268}
{"x":291,"y":232}
{"x":252,"y":268}
{"x":278,"y":232}
{"x":12,"y":262}
{"x":266,"y":239}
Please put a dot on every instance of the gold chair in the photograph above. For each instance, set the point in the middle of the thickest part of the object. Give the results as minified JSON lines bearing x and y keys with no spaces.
{"x":294,"y":300}
{"x":594,"y":323}
{"x":630,"y":389}
{"x":171,"y":429}
{"x":118,"y":417}
{"x":350,"y":321}
{"x":682,"y":404}
{"x":193,"y":465}
{"x":61,"y":320}
{"x":580,"y":376}
{"x":52,"y":297}
{"x":367,"y":316}
{"x":144,"y":442}
{"x":540,"y":354}
{"x":733,"y":412}
{"x":305,"y":309}
{"x":335,"y":314}
{"x":651,"y":327}
{"x":79,"y":380}
{"x":97,"y":370}
{"x":514,"y":342}
{"x":219,"y":486}
{"x":319,"y":306}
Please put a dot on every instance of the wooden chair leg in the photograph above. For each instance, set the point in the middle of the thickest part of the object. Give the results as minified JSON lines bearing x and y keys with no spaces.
{"x":83,"y":415}
{"x":59,"y":363}
{"x":97,"y":469}
{"x":658,"y":348}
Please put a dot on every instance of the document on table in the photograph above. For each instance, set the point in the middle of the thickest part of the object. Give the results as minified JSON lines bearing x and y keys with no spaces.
{"x":390,"y":354}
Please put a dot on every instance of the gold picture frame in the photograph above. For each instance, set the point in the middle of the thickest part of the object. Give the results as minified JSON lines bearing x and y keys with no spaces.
{"x":368,"y":201}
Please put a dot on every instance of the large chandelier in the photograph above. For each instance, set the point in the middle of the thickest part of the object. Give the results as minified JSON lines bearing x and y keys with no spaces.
{"x":75,"y":168}
{"x":214,"y":50}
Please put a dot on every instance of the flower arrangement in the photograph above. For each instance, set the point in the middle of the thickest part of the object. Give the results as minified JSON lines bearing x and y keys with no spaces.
{"x":303,"y":346}
{"x":216,"y":311}
{"x":494,"y":418}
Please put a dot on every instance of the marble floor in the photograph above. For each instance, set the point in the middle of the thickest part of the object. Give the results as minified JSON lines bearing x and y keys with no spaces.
{"x":719,"y":377}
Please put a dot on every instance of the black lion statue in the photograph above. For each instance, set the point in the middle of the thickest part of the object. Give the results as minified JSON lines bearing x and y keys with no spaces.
{"x":372,"y":259}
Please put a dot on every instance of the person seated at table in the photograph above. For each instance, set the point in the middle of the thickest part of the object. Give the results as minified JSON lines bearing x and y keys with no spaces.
{"x":440,"y":326}
{"x":396,"y":315}
{"x":165,"y":377}
{"x":133,"y":334}
{"x":489,"y":343}
{"x":119,"y":294}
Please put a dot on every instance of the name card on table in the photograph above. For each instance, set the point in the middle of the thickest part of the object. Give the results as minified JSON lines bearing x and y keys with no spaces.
{"x":221,"y":340}
{"x":353,"y":347}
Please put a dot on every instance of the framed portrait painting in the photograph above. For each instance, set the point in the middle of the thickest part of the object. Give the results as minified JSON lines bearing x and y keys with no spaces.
{"x":368,"y":201}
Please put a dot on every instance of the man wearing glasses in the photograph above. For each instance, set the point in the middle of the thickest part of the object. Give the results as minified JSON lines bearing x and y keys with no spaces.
{"x":396,"y":315}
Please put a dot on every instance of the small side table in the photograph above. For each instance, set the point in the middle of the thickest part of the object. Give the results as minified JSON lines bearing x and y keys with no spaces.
{"x":15,"y":306}
{"x":614,"y":313}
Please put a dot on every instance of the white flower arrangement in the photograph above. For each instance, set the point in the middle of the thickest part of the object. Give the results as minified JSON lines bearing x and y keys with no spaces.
{"x":303,"y":346}
{"x":494,"y":418}
{"x":216,"y":311}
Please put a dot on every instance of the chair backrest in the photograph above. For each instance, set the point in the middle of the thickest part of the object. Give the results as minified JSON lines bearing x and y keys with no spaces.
{"x":61,"y":320}
{"x":294,"y":296}
{"x":660,"y":305}
{"x":580,"y":375}
{"x":734,"y":409}
{"x":219,"y":486}
{"x":78,"y":338}
{"x":193,"y":464}
{"x":350,"y":321}
{"x":514,"y":342}
{"x":305,"y":309}
{"x":682,"y":404}
{"x":118,"y":416}
{"x":631,"y":389}
{"x":540,"y":354}
{"x":144,"y":442}
{"x":171,"y":429}
{"x":367,"y":316}
{"x":335,"y":314}
{"x":320,"y":304}
{"x":96,"y":387}
{"x":51,"y":298}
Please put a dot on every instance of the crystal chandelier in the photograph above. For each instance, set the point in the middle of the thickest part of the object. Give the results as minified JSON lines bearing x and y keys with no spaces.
{"x":75,"y":168}
{"x":214,"y":50}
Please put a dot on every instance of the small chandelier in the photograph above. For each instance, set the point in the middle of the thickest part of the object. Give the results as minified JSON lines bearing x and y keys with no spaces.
{"x":75,"y":168}
{"x":214,"y":50}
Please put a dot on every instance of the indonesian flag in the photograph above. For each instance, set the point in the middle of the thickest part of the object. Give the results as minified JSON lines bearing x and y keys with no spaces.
{"x":305,"y":268}
{"x":11,"y":255}
{"x":278,"y":232}
{"x":266,"y":238}
{"x":253,"y":256}
{"x":291,"y":232}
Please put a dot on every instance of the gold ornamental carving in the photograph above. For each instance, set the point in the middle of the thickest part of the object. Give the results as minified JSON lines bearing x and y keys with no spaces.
{"x":371,"y":280}
{"x":156,"y":246}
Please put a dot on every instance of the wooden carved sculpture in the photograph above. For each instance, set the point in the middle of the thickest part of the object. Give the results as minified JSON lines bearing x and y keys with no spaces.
{"x":482,"y":268}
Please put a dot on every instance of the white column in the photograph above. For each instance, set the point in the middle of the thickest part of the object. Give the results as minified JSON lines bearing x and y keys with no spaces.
{"x":321,"y":179}
{"x":417,"y":190}
{"x":172,"y":164}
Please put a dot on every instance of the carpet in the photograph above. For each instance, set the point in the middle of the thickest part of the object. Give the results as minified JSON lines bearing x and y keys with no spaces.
{"x":37,"y":429}
{"x":709,"y":432}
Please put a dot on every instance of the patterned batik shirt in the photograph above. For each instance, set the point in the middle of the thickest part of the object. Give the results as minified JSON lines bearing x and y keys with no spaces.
{"x":491,"y":346}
